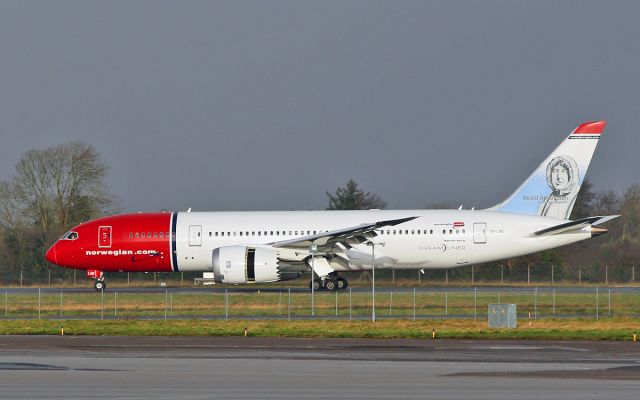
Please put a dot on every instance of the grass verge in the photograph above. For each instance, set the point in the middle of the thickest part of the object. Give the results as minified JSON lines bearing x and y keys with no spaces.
{"x":547,"y":329}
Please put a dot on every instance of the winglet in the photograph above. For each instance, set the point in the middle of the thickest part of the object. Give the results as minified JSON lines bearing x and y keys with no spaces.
{"x":591,"y":128}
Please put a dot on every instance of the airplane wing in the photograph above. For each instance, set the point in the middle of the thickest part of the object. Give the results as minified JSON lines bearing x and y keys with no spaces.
{"x":573,"y":225}
{"x":346,"y":236}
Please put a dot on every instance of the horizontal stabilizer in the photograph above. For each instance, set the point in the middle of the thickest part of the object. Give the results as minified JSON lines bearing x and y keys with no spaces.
{"x":573,"y":225}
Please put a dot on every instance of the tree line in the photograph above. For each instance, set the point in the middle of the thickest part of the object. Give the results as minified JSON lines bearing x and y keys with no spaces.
{"x":56,"y":188}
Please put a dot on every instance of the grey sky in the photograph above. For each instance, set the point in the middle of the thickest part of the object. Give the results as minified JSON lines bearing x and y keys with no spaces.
{"x":267,"y":104}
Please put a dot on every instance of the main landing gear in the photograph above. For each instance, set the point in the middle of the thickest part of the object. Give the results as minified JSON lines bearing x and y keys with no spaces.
{"x":330,"y":282}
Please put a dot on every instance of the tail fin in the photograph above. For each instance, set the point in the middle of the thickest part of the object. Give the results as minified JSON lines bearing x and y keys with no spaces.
{"x":552,"y":188}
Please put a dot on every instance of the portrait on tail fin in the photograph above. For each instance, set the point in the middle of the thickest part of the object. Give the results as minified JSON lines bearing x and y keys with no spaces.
{"x":563,"y":178}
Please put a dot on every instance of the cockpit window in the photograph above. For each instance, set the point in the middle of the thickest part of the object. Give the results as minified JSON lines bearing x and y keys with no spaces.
{"x":70,"y":236}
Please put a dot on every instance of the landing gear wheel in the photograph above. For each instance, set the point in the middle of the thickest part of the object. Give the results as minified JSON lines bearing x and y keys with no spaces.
{"x":317,"y":284}
{"x":100,"y":285}
{"x":342,"y":283}
{"x":330,"y":284}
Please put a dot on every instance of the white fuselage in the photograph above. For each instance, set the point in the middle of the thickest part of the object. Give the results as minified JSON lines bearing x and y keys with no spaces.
{"x":436,"y":239}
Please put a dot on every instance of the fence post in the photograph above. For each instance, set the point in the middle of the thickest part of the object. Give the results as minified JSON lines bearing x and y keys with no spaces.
{"x":446,"y":276}
{"x":102,"y":303}
{"x":473,"y":274}
{"x":6,"y":304}
{"x":475,"y":304}
{"x":166,"y":304}
{"x":390,"y":302}
{"x":597,"y":303}
{"x":49,"y":276}
{"x":580,"y":274}
{"x":289,"y":306}
{"x":535,"y":304}
{"x":414,"y":304}
{"x":128,"y":279}
{"x":74,"y":277}
{"x":446,"y":303}
{"x":38,"y":303}
{"x":279,"y":303}
{"x":609,"y":302}
{"x":226,"y":305}
{"x":115,"y":305}
{"x":528,"y":274}
{"x":61,"y":303}
{"x":554,"y":302}
{"x":606,"y":274}
{"x":552,"y":270}
{"x":349,"y":304}
{"x":501,"y":273}
{"x":633,"y":274}
{"x":171,"y":304}
{"x":336,"y":303}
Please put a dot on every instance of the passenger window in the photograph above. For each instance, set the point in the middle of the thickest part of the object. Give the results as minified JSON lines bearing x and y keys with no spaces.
{"x":130,"y":235}
{"x":450,"y":231}
{"x":241,"y":233}
{"x":259,"y":233}
{"x":271,"y":233}
{"x":463,"y":231}
{"x":431,"y":232}
{"x":444,"y":232}
{"x":142,"y":235}
{"x":253,"y":233}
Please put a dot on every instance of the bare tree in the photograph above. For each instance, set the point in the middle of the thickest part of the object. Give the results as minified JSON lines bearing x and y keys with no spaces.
{"x":62,"y":185}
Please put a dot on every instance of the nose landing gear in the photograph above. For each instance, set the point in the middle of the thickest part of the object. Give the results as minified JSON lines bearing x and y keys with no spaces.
{"x":99,"y":283}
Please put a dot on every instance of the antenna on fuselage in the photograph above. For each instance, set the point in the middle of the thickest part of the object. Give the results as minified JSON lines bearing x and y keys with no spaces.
{"x":460,"y":208}
{"x":189,"y":210}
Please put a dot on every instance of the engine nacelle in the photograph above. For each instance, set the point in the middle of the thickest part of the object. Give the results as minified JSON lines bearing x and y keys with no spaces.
{"x":245,"y":264}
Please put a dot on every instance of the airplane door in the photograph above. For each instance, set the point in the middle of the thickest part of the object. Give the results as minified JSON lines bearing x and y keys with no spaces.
{"x":195,"y":235}
{"x":480,"y":232}
{"x":104,"y":236}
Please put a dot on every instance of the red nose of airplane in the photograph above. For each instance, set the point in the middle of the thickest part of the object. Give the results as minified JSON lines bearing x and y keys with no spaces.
{"x":51,"y":255}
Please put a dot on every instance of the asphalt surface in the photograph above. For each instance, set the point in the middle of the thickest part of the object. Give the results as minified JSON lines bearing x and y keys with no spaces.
{"x":157,"y":368}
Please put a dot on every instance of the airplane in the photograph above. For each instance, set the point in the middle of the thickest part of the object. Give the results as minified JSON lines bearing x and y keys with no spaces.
{"x":259,"y":247}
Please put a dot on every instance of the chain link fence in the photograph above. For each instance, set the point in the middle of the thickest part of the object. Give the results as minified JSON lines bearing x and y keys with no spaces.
{"x":296,"y":303}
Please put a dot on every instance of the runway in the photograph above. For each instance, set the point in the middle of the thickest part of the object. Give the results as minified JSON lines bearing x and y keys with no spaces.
{"x":58,"y":367}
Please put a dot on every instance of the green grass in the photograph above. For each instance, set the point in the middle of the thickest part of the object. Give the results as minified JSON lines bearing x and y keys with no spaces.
{"x":574,"y":329}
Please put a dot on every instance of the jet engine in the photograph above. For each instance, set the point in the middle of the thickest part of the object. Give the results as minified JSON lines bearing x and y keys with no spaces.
{"x":245,"y":264}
